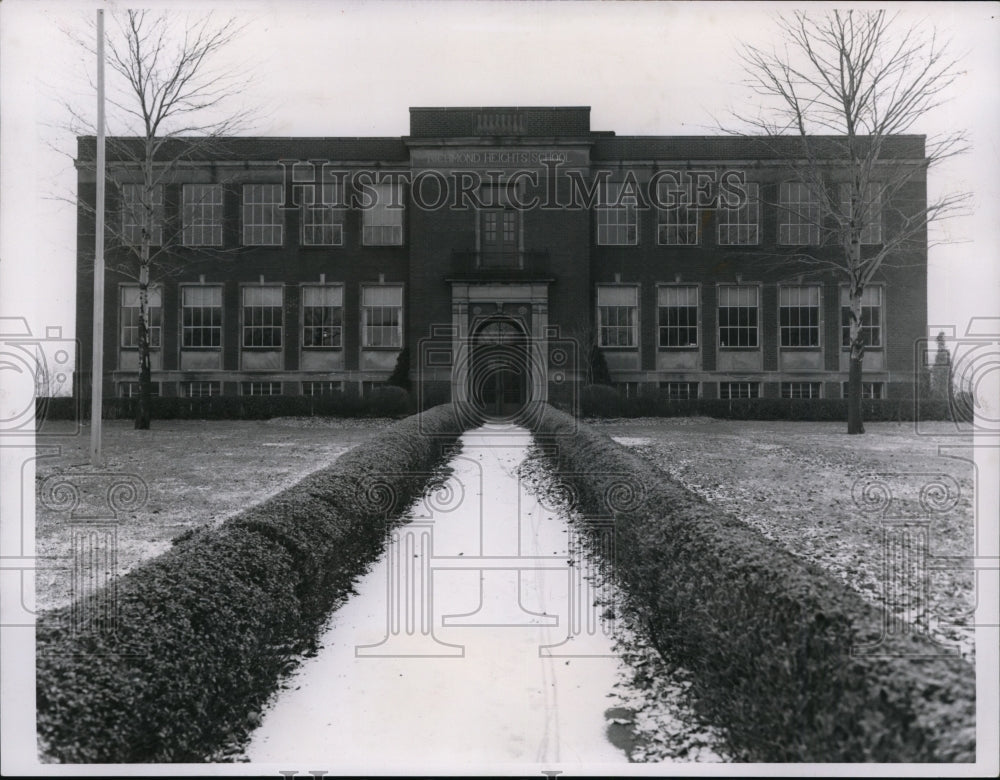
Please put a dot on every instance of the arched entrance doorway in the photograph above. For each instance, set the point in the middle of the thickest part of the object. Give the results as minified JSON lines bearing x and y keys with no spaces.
{"x":499,"y":378}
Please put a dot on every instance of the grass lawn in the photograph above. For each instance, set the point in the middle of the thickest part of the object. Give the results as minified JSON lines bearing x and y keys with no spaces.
{"x":793,"y":482}
{"x":790,"y":480}
{"x":196,"y":472}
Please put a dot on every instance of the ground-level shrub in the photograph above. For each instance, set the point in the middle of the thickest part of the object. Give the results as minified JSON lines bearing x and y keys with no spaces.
{"x":774,"y":643}
{"x":190,"y":643}
{"x":601,"y":401}
{"x":383,"y":401}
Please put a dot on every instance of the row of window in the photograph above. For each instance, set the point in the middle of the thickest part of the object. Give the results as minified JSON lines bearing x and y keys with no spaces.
{"x":678,"y":316}
{"x":208,"y":388}
{"x":263,"y":318}
{"x":675,"y":391}
{"x":263,"y":221}
{"x":738,"y":223}
{"x":799,"y":212}
{"x":684,"y":391}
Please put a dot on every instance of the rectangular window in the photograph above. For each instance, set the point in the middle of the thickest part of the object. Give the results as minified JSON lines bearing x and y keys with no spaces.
{"x":201,"y":316}
{"x":798,"y":214}
{"x":322,"y":315}
{"x":739,"y":218}
{"x":322,"y":388}
{"x":322,"y":224}
{"x":798,"y":316}
{"x":678,"y":316}
{"x":678,"y":226}
{"x":200,"y":389}
{"x":870,"y":216}
{"x":260,"y":388}
{"x":130,"y":315}
{"x":383,"y":220}
{"x":618,"y":316}
{"x":872,"y":390}
{"x":730,"y":390}
{"x":263,"y":222}
{"x":141,"y":211}
{"x":131,"y":389}
{"x":871,"y":317}
{"x":679,"y":391}
{"x":382,"y":316}
{"x":617,"y":223}
{"x":262,"y":316}
{"x":800,"y":389}
{"x":498,"y":238}
{"x":738,"y":316}
{"x":201,"y":214}
{"x":627,"y":389}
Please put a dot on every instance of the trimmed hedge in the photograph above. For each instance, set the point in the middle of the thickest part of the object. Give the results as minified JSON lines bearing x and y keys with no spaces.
{"x":767,"y":635}
{"x":204,"y":631}
{"x":603,"y":401}
{"x":388,"y":401}
{"x":595,"y":401}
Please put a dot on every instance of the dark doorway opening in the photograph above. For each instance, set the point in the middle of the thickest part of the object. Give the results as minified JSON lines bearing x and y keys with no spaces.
{"x":499,"y":376}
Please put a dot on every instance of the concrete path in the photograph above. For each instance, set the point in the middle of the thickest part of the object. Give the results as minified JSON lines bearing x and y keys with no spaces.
{"x":473,"y":644}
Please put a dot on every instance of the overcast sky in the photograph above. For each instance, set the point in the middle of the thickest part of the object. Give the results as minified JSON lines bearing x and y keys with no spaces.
{"x":333,"y":69}
{"x":355,"y":69}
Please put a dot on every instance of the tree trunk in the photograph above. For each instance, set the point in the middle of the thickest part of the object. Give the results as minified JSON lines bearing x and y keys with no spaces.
{"x":854,"y":421}
{"x":855,"y":425}
{"x":142,"y":411}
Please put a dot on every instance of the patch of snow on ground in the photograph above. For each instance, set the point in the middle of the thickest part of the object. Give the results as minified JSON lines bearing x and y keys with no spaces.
{"x":631,"y":441}
{"x":482,"y":638}
{"x":456,"y":648}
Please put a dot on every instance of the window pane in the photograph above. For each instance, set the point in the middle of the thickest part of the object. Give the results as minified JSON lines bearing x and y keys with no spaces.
{"x":798,"y":214}
{"x":383,"y":222}
{"x":677,"y":225}
{"x":382,"y":315}
{"x":617,"y":225}
{"x":263,"y":222}
{"x":201,"y":316}
{"x":201,"y":214}
{"x":738,"y":316}
{"x":142,"y":211}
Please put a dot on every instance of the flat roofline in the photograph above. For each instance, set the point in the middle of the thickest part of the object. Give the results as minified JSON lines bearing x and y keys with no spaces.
{"x":499,"y":108}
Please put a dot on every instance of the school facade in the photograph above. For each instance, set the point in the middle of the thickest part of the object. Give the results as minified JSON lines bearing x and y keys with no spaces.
{"x":496,"y":246}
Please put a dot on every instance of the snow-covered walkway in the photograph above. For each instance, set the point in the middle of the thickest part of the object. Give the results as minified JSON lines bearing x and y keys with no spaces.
{"x":474,"y":643}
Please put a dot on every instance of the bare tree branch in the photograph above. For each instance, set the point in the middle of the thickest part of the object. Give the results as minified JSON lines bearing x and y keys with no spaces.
{"x":167,"y":87}
{"x":847,"y":84}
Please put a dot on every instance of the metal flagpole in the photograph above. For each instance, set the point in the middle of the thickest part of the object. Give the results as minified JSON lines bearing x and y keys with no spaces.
{"x":97,"y":366}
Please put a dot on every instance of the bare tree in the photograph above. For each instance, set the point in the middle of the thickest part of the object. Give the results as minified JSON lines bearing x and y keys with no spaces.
{"x":842,"y":85}
{"x":170,"y":101}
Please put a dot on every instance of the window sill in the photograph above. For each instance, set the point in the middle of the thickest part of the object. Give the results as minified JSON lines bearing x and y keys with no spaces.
{"x":383,"y":349}
{"x":816,"y":348}
{"x":739,"y":349}
{"x":689,"y":348}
